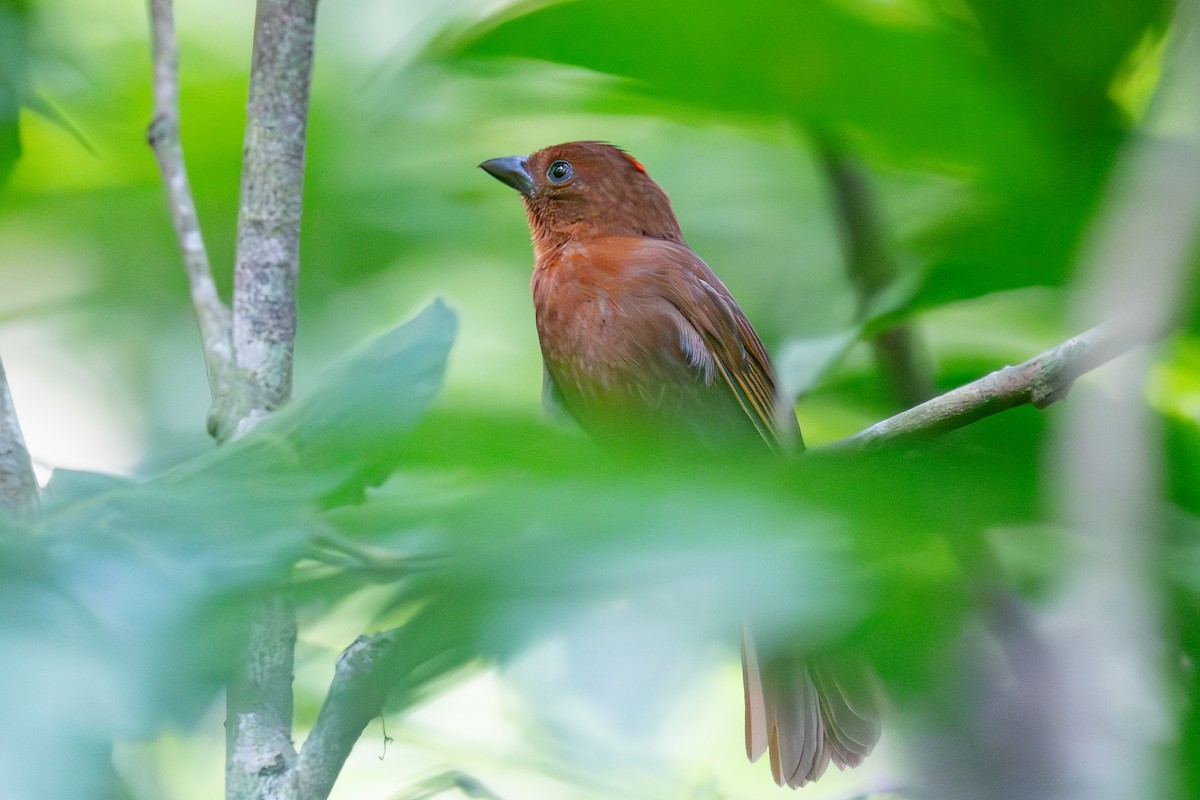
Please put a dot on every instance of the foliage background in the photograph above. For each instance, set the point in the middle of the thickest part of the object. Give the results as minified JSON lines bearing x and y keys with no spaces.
{"x":604,"y":587}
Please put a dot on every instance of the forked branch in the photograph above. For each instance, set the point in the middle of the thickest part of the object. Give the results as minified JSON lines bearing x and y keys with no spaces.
{"x":249,"y":353}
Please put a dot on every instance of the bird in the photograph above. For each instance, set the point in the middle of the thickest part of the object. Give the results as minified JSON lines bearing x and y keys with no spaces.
{"x":640,"y":340}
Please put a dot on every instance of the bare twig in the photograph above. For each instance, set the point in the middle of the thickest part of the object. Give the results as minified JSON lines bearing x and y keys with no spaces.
{"x":268,"y":247}
{"x":872,"y":269}
{"x":212,"y":316}
{"x":1040,"y":381}
{"x":18,"y":485}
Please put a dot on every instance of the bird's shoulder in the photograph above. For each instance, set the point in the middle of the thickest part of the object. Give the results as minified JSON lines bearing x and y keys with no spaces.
{"x":675,"y":310}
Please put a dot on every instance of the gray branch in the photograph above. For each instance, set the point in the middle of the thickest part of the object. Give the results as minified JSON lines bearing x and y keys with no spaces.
{"x":259,"y":756}
{"x":268,"y":246}
{"x":260,"y":759}
{"x":1040,"y":381}
{"x":212,"y":316}
{"x":355,"y":697}
{"x":18,"y":485}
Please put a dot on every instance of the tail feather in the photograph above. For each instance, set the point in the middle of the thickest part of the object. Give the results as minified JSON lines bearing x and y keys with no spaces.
{"x":806,"y":715}
{"x":756,"y":707}
{"x":851,"y":711}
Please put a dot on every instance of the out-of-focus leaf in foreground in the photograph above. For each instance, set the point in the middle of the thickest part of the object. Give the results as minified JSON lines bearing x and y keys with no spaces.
{"x":14,"y":80}
{"x":123,"y":602}
{"x":818,"y":62}
{"x":1014,"y":100}
{"x":639,"y":564}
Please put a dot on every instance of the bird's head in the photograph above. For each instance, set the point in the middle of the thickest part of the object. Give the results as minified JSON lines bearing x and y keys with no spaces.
{"x":582,"y":190}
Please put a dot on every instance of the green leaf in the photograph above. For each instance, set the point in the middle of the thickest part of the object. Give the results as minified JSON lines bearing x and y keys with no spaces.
{"x":1014,"y":100}
{"x":345,"y":432}
{"x":14,"y":79}
{"x":803,"y":362}
{"x":817,"y":62}
{"x":540,"y":535}
{"x":1071,"y":51}
{"x":124,"y":608}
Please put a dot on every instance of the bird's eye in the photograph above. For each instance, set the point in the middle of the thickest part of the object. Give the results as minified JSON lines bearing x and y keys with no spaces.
{"x":560,"y":171}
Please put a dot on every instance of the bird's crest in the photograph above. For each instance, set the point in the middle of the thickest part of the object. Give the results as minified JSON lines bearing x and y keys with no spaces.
{"x":636,"y":164}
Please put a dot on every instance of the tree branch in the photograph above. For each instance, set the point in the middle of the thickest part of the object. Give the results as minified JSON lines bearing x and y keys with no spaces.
{"x":212,"y":316}
{"x":268,"y":246}
{"x":260,"y":758}
{"x":258,"y":719}
{"x":1040,"y":381}
{"x":872,"y":269}
{"x":18,"y":485}
{"x":355,"y":697}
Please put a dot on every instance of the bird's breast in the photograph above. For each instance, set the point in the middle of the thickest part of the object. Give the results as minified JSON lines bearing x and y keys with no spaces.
{"x":578,"y":311}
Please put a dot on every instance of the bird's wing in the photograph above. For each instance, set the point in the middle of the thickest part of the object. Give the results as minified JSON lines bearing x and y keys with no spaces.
{"x":715,"y":336}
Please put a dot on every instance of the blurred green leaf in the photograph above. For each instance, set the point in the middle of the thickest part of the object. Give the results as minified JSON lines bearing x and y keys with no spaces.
{"x":143,"y":585}
{"x":1015,"y":103}
{"x":818,"y":62}
{"x":804,"y":362}
{"x":1071,"y":52}
{"x":14,"y":80}
{"x":539,"y":535}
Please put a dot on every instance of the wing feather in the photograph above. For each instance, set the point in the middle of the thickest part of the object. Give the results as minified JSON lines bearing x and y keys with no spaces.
{"x":709,"y":310}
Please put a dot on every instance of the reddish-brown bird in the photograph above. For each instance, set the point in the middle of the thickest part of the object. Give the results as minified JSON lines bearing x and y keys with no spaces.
{"x":640,"y":339}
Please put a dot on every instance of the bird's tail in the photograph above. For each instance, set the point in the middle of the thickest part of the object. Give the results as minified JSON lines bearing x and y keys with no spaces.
{"x":807,"y":713}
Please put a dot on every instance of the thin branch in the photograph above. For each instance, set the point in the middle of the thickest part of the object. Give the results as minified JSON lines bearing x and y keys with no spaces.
{"x":268,"y":246}
{"x":350,"y":554}
{"x":364,"y":672}
{"x":18,"y":485}
{"x":872,"y":269}
{"x":1040,"y":381}
{"x":212,"y":316}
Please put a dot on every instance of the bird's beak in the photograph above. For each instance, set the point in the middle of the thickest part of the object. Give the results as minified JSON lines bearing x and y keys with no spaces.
{"x":510,"y":170}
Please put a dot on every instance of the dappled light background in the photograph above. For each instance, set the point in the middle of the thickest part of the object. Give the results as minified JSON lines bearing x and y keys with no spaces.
{"x":580,"y":608}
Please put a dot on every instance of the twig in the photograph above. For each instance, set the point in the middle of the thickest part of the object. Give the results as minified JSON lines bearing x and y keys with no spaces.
{"x":18,"y":485}
{"x":356,"y":694}
{"x":1040,"y":381}
{"x":356,"y":555}
{"x":268,"y":245}
{"x":872,"y":269}
{"x":212,"y":316}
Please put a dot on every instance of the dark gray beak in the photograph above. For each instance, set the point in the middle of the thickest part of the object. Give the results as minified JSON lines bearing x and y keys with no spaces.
{"x":510,"y":170}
